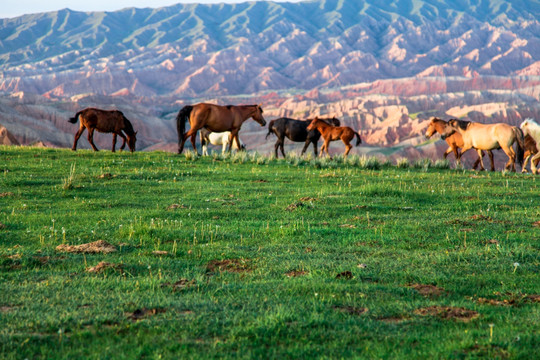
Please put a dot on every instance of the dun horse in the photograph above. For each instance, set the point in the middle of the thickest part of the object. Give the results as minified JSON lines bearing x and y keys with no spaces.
{"x":333,"y":133}
{"x":215,"y":118}
{"x":454,"y":141}
{"x":488,"y":137}
{"x":105,"y":121}
{"x":214,"y":138}
{"x":531,"y":128}
{"x":296,"y":130}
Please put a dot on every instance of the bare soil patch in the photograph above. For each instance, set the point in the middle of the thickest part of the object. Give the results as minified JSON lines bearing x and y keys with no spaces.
{"x":180,"y":285}
{"x":6,"y":194}
{"x":176,"y":206}
{"x":143,"y":313}
{"x":448,"y":313}
{"x":228,"y":265}
{"x":427,"y":290}
{"x":160,"y":253}
{"x":96,"y":247}
{"x":102,"y":266}
{"x":393,"y":319}
{"x":347,"y":275}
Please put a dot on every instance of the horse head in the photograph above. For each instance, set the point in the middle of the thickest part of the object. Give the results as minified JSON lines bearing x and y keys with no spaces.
{"x":312,"y":125}
{"x":527,"y":125}
{"x":132,"y":139}
{"x":335,"y":121}
{"x":432,"y":127}
{"x":450,"y":128}
{"x":257,"y":115}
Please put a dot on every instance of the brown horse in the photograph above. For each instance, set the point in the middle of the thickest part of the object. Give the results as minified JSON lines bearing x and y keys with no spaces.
{"x":531,"y":149}
{"x":215,"y":118}
{"x":333,"y":133}
{"x":454,"y":141}
{"x":105,"y":121}
{"x":488,"y":137}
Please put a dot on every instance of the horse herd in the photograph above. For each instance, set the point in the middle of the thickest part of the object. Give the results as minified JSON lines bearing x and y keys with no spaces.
{"x":220,"y":125}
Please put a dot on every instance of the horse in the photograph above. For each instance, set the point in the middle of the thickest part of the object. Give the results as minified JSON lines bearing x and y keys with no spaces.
{"x":217,"y":139}
{"x":333,"y":133}
{"x":531,"y":128}
{"x":296,"y":130}
{"x":488,"y":137}
{"x":531,"y":148}
{"x":454,"y":141}
{"x":105,"y":121}
{"x":215,"y":118}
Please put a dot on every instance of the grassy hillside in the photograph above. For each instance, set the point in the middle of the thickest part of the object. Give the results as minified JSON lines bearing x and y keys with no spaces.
{"x":251,"y":257}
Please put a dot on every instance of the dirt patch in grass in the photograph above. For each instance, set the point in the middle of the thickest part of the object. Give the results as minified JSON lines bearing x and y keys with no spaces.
{"x":308,"y":198}
{"x":143,"y":313}
{"x":7,"y":308}
{"x":260,"y":181}
{"x":96,"y":247}
{"x":428,"y":290}
{"x":295,"y":206}
{"x":160,"y":253}
{"x":533,"y":298}
{"x":536,"y":223}
{"x":347,"y":275}
{"x":352,"y":310}
{"x":348,"y":226}
{"x":176,"y":206}
{"x":180,"y":285}
{"x":2,"y":226}
{"x":296,"y":273}
{"x":102,"y":266}
{"x":6,"y":194}
{"x":228,"y":265}
{"x":448,"y":313}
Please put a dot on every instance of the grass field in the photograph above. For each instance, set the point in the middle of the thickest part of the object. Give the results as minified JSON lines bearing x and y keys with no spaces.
{"x":251,"y":257}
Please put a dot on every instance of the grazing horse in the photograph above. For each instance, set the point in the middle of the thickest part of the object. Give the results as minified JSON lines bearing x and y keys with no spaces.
{"x":333,"y":133}
{"x":221,"y":138}
{"x":296,"y":130}
{"x":531,"y":128}
{"x":105,"y":121}
{"x":454,"y":141}
{"x":215,"y":118}
{"x":488,"y":137}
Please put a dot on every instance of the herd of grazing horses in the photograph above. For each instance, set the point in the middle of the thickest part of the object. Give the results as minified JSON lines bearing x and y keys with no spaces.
{"x":220,"y":125}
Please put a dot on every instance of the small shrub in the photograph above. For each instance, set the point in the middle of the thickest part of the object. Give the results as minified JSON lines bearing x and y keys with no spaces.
{"x":403,"y":163}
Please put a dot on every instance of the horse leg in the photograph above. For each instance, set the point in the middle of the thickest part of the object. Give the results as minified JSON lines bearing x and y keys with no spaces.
{"x":276,"y":147}
{"x":463,"y":151}
{"x":193,"y":138}
{"x":306,"y":144}
{"x":524,"y":169}
{"x":479,"y":152}
{"x":282,"y":147}
{"x":77,"y":136}
{"x":315,"y":147}
{"x":534,"y":163}
{"x":348,"y":145}
{"x":191,"y":133}
{"x":113,"y":142}
{"x":511,"y":164}
{"x":490,"y":154}
{"x":91,"y":139}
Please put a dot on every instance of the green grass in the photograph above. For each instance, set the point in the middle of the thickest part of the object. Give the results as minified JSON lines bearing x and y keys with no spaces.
{"x":389,"y":227}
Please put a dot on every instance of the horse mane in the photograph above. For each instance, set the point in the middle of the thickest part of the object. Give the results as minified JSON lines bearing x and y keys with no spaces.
{"x":128,"y":127}
{"x":463,"y":124}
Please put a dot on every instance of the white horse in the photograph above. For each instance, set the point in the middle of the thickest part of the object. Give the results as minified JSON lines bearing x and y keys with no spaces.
{"x":531,"y":128}
{"x":216,"y":138}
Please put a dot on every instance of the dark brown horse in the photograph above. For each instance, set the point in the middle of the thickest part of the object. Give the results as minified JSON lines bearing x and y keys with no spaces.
{"x":296,"y":130}
{"x":215,"y":118}
{"x":105,"y":121}
{"x":333,"y":133}
{"x":454,"y":141}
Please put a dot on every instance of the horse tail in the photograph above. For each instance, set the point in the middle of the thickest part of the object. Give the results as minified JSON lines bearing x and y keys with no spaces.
{"x":74,"y":119}
{"x":358,"y":140}
{"x":520,"y":153}
{"x":270,"y":128}
{"x":181,"y":118}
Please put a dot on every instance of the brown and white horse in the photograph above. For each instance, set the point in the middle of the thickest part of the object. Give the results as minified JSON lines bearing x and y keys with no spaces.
{"x":215,"y":118}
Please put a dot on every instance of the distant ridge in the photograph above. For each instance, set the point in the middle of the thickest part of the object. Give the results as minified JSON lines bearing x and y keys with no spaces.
{"x":191,"y":50}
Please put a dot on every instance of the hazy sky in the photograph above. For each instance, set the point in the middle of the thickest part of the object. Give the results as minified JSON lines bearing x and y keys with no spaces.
{"x":12,"y":8}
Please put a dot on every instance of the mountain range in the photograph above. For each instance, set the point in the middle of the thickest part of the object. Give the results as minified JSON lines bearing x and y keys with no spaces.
{"x":416,"y":58}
